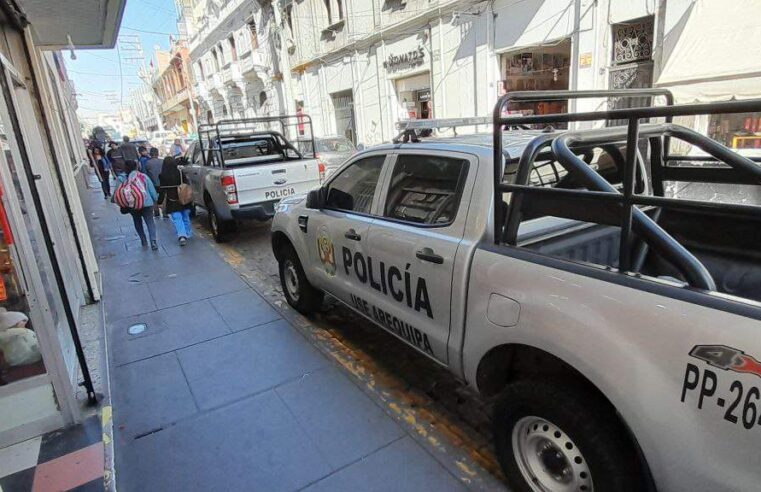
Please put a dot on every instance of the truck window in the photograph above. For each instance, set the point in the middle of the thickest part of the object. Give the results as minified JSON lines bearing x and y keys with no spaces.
{"x":425,"y":189}
{"x":354,"y":188}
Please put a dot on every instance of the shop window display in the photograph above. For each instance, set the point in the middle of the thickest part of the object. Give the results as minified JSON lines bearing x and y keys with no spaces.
{"x":19,"y":350}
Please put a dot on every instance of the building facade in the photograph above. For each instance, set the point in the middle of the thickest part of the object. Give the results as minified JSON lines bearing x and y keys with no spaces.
{"x":235,"y":52}
{"x":144,"y":109}
{"x":172,"y":84}
{"x":48,"y":270}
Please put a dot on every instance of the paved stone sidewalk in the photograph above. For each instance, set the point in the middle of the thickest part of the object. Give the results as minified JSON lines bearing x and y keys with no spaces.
{"x":221,"y":393}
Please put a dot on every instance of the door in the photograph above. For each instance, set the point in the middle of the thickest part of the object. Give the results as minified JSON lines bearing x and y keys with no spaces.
{"x":193,"y":171}
{"x":337,"y":234}
{"x":413,"y":244}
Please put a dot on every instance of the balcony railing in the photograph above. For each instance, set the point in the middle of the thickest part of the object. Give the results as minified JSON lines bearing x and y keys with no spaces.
{"x":172,"y":103}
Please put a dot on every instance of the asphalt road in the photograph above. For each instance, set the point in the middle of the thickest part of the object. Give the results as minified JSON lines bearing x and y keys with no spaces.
{"x":435,"y":398}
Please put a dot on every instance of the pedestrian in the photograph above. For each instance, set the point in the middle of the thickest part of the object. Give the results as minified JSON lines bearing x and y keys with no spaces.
{"x":171,"y":178}
{"x":117,"y":160}
{"x":177,"y":149}
{"x":128,"y":150}
{"x":153,"y":169}
{"x":146,"y":213}
{"x":103,"y":170}
{"x":143,"y":158}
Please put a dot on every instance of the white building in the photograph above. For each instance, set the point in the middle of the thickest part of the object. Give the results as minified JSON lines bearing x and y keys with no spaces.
{"x":142,"y":105}
{"x":235,"y":65}
{"x":361,"y":66}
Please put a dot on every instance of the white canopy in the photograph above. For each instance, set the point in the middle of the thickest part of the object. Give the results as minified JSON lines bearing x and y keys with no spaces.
{"x":717,"y":55}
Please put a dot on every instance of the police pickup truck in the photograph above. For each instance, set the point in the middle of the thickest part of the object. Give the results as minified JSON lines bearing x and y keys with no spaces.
{"x":239,"y":169}
{"x":615,"y":321}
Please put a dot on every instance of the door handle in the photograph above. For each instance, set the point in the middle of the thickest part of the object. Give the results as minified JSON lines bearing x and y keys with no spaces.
{"x":303,"y":220}
{"x":427,"y":254}
{"x":352,"y":235}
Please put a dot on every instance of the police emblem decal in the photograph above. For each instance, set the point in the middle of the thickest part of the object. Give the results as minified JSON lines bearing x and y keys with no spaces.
{"x":326,"y":251}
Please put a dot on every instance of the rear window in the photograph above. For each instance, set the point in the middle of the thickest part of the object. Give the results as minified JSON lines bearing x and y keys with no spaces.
{"x":334,"y":145}
{"x":250,"y":151}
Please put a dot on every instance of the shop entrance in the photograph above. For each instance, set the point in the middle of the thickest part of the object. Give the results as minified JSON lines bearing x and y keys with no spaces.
{"x":343,"y":103}
{"x":414,"y":97}
{"x":543,"y":67}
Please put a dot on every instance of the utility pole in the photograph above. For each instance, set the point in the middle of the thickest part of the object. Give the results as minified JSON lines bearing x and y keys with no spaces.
{"x":131,"y":44}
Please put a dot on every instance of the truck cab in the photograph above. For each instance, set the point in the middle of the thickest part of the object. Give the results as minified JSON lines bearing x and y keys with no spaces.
{"x":612,"y":319}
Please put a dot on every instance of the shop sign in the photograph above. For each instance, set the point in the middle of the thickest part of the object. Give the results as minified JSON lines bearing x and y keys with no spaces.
{"x":424,"y":96}
{"x":410,"y":59}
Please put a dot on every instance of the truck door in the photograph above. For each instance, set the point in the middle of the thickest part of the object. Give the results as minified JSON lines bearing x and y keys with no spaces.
{"x":337,"y":234}
{"x":412,"y":246}
{"x":193,"y":169}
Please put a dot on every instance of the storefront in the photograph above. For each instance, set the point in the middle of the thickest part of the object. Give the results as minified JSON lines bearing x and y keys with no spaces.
{"x":541,"y":67}
{"x":407,"y":67}
{"x":43,"y":278}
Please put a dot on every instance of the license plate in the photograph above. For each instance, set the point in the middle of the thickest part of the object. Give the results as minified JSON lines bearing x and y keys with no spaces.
{"x":279,"y":193}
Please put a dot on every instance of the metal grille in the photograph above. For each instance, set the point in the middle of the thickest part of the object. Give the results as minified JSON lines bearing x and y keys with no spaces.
{"x":343,"y":103}
{"x":633,"y":41}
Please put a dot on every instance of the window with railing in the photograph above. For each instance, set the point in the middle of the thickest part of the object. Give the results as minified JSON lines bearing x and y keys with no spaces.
{"x":233,"y":49}
{"x":335,"y":11}
{"x":252,"y":33}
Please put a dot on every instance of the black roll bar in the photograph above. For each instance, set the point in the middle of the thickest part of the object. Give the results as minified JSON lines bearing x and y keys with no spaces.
{"x":737,"y":169}
{"x":247,"y":127}
{"x":535,"y":96}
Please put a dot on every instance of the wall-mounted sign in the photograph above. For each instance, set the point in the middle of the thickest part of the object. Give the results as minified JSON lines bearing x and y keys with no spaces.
{"x":410,"y":59}
{"x":585,"y":60}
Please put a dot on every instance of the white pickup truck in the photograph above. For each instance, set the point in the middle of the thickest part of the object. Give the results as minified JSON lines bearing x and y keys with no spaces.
{"x":239,"y":169}
{"x":617,"y":324}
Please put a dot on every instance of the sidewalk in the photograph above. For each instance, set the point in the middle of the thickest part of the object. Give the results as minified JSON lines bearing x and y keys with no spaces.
{"x":219,"y":392}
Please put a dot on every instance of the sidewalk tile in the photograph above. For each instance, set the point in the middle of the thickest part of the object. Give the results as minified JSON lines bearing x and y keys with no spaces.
{"x":402,"y":466}
{"x":243,"y":309}
{"x":71,"y":470}
{"x":149,"y":394}
{"x":128,"y":301}
{"x":19,"y":456}
{"x":247,"y":362}
{"x":180,"y":290}
{"x":166,"y":330}
{"x":254,"y":444}
{"x":326,"y":400}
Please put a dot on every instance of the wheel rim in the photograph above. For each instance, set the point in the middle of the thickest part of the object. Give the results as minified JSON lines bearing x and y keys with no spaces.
{"x":291,"y":280}
{"x":213,"y":220}
{"x":548,"y":458}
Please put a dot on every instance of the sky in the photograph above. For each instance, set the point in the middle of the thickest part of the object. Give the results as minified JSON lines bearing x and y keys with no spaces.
{"x":96,"y":72}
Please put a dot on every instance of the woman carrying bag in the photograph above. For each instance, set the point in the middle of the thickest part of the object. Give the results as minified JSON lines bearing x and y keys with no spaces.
{"x":177,"y":197}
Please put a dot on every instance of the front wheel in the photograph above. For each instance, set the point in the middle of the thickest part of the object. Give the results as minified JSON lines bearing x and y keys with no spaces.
{"x":551,"y":437}
{"x":299,"y":293}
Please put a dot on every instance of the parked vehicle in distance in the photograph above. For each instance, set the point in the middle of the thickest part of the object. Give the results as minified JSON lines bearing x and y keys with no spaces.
{"x":333,"y":151}
{"x":617,"y":325}
{"x":239,"y":169}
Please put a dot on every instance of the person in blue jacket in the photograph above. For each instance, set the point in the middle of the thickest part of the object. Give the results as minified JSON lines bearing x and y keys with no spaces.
{"x":146,"y":213}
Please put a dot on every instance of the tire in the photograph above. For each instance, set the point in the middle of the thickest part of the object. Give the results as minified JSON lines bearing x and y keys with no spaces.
{"x":221,"y":230}
{"x":299,"y":293}
{"x":563,"y":436}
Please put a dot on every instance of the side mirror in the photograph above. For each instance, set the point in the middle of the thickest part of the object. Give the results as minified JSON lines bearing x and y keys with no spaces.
{"x":315,"y":199}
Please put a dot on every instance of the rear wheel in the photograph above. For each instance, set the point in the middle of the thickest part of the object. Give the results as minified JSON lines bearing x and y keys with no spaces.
{"x":299,"y":293}
{"x":220,"y":229}
{"x":554,"y":438}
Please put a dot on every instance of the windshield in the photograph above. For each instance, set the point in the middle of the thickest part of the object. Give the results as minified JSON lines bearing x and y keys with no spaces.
{"x":334,"y":145}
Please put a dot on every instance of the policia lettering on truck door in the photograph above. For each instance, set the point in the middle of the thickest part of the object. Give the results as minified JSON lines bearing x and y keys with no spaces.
{"x":343,"y":223}
{"x":416,"y":236}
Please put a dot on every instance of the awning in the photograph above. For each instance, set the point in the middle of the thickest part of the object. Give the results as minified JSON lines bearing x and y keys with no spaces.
{"x":717,"y":54}
{"x":89,"y":23}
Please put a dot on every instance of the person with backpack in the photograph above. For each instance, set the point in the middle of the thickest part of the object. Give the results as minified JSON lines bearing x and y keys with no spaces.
{"x":136,"y":195}
{"x":177,"y":197}
{"x":103,"y":170}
